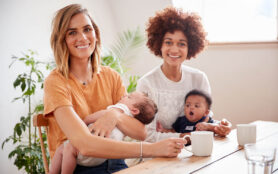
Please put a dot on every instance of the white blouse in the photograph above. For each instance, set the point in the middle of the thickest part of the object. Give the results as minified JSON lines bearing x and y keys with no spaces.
{"x":169,"y":96}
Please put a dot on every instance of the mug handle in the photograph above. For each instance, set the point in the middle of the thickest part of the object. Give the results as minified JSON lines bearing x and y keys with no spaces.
{"x":187,"y":148}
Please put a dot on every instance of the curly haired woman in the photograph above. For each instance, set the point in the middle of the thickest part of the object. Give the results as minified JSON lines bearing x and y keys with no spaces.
{"x":174,"y":36}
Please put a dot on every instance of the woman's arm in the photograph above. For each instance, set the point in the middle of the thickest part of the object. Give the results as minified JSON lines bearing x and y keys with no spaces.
{"x":93,"y":117}
{"x":81,"y":138}
{"x":128,"y":125}
{"x":204,"y":126}
{"x":222,"y":128}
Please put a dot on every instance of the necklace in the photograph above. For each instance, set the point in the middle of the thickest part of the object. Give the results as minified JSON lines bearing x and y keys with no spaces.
{"x":85,"y":77}
{"x":81,"y":81}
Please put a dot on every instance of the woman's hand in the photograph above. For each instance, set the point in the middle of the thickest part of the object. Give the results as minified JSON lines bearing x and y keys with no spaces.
{"x":224,"y":128}
{"x":203,"y":126}
{"x":104,"y":125}
{"x":168,"y":147}
{"x":112,"y":118}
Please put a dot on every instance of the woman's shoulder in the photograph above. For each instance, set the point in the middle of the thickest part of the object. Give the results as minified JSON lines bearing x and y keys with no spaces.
{"x":55,"y":76}
{"x":153,"y":74}
{"x":108,"y":75}
{"x":191,"y":70}
{"x":106,"y":70}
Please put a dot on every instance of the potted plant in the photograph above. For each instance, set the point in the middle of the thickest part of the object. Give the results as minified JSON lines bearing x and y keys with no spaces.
{"x":125,"y":48}
{"x":27,"y":153}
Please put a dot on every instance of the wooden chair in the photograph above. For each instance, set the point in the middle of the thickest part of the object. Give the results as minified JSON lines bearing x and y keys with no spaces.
{"x":39,"y":121}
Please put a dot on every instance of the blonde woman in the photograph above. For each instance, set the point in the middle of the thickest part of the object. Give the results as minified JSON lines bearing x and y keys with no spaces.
{"x":80,"y":86}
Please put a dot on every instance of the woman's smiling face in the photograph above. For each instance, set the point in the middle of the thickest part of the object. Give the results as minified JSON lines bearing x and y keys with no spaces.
{"x":174,"y":48}
{"x":80,"y":37}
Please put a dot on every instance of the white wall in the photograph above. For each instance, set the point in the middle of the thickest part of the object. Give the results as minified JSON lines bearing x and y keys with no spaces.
{"x":26,"y":24}
{"x":130,"y":14}
{"x":244,"y":81}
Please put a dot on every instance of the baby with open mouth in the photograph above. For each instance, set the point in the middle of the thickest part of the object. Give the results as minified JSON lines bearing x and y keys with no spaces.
{"x":196,"y":115}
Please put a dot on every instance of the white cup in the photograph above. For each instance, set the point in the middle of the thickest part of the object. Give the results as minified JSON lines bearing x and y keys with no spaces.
{"x":246,"y":133}
{"x":201,"y":143}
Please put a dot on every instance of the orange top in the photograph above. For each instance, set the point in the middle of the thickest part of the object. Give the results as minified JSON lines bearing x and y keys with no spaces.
{"x":106,"y":88}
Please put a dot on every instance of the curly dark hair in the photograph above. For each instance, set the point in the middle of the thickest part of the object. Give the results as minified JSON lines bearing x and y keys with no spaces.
{"x":170,"y":20}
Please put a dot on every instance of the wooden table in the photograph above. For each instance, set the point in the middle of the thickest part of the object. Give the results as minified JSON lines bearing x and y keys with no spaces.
{"x":227,"y":157}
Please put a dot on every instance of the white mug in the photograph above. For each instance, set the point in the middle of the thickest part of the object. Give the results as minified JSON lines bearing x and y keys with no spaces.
{"x":246,"y":133}
{"x":201,"y":143}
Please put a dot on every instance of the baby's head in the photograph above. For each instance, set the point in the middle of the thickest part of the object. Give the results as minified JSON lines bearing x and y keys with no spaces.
{"x":197,"y":105}
{"x":141,"y":106}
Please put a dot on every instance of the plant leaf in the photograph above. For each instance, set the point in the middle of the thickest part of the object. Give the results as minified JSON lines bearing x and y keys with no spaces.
{"x":17,"y":129}
{"x":17,"y":81}
{"x":23,"y":86}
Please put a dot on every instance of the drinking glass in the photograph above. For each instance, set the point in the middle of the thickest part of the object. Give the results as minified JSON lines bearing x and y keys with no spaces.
{"x":260,"y":158}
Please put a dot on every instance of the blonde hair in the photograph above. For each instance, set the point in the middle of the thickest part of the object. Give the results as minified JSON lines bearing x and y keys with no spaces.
{"x":60,"y":25}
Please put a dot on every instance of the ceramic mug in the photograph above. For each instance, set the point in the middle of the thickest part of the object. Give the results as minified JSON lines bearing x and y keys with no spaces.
{"x":246,"y":133}
{"x":201,"y":143}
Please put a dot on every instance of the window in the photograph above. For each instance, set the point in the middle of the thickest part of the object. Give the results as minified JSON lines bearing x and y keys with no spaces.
{"x":235,"y":20}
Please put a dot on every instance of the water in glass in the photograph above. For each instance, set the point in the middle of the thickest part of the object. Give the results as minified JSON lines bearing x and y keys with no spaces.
{"x":260,"y":158}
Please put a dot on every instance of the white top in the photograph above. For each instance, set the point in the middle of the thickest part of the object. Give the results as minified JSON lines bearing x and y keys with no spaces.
{"x":123,"y":107}
{"x":169,"y":96}
{"x":116,"y":134}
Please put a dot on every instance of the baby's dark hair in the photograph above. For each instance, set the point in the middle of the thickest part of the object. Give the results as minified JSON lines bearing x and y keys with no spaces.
{"x":200,"y":93}
{"x":147,"y":109}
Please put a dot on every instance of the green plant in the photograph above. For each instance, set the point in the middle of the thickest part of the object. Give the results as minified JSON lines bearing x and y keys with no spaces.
{"x":132,"y":83}
{"x":27,"y":153}
{"x":123,"y":50}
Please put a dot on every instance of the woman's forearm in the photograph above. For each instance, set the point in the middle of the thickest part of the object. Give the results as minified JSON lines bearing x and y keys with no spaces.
{"x":90,"y":145}
{"x":109,"y":148}
{"x":154,"y":136}
{"x":119,"y":149}
{"x":131,"y":126}
{"x":93,"y":117}
{"x":126,"y":124}
{"x":71,"y":124}
{"x":81,"y":138}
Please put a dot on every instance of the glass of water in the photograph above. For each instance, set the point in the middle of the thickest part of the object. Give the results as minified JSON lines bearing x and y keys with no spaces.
{"x":260,"y":158}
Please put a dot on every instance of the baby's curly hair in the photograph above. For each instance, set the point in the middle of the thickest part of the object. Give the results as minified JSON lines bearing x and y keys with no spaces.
{"x":170,"y":20}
